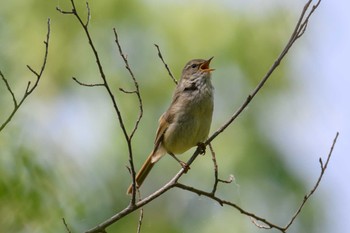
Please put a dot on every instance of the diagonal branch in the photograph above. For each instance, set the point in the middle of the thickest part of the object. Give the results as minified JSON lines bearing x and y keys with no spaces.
{"x":9,"y":89}
{"x":29,"y":89}
{"x":166,"y":65}
{"x":174,"y":183}
{"x":299,"y":28}
{"x":323,"y":169}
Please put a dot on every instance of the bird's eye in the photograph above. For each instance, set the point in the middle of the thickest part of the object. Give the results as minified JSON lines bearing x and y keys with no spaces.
{"x":194,"y":65}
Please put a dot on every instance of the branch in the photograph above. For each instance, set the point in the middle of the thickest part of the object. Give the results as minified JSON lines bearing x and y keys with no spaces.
{"x":137,"y":91}
{"x":9,"y":89}
{"x":323,"y":169}
{"x":29,"y":89}
{"x":66,"y":225}
{"x":223,"y":202}
{"x":255,"y":218}
{"x":128,"y":137}
{"x":165,"y":64}
{"x":87,"y":85}
{"x":297,"y":33}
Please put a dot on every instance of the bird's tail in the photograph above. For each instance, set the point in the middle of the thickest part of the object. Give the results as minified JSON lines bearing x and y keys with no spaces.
{"x":142,"y":174}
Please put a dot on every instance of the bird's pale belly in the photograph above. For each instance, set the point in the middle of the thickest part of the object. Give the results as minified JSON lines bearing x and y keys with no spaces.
{"x":188,"y":130}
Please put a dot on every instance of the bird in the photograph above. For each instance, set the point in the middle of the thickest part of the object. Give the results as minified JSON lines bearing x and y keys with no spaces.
{"x":186,"y":123}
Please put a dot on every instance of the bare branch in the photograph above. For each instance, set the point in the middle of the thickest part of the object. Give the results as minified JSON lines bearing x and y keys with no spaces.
{"x":72,"y":12}
{"x":258,"y":225}
{"x":140,"y":221}
{"x":33,"y":71}
{"x":9,"y":89}
{"x":294,"y":37}
{"x":29,"y":89}
{"x":216,"y":169}
{"x":165,"y":64}
{"x":255,"y":219}
{"x":230,"y":179}
{"x":137,"y":91}
{"x":88,"y":85}
{"x":127,"y":92}
{"x":38,"y":75}
{"x":66,"y":225}
{"x":88,"y":15}
{"x":127,"y":137}
{"x":323,"y":169}
{"x":223,"y":202}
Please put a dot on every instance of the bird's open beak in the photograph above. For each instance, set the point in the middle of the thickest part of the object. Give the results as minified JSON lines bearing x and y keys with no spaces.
{"x":205,"y":65}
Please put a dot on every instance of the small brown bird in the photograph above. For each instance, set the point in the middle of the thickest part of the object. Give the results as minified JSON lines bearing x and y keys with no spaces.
{"x":187,"y":121}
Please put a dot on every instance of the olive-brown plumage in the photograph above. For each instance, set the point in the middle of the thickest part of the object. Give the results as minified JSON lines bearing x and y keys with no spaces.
{"x":187,"y":121}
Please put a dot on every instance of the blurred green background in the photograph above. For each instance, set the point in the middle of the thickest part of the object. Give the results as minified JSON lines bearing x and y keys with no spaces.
{"x":64,"y":155}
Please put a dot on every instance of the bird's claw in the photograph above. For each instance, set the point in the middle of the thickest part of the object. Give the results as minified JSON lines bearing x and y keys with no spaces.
{"x":201,"y":148}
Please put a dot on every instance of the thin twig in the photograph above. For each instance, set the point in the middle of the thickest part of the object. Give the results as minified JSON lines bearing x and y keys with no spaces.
{"x":140,"y":221}
{"x":259,"y":225}
{"x":216,"y":169}
{"x":137,"y":91}
{"x":9,"y":89}
{"x":88,"y":85}
{"x":28,"y":89}
{"x":66,"y":225}
{"x":139,"y":224}
{"x":165,"y":64}
{"x":127,"y":92}
{"x":323,"y":169}
{"x":88,"y":15}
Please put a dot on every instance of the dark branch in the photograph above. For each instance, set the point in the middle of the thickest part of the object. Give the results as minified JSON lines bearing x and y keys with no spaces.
{"x":9,"y":89}
{"x":137,"y":92}
{"x":127,"y":92}
{"x":165,"y":64}
{"x":66,"y":225}
{"x":127,"y":137}
{"x":256,"y":219}
{"x":88,"y":85}
{"x":88,"y":15}
{"x":137,"y":89}
{"x":29,"y":89}
{"x":323,"y":169}
{"x":223,"y":202}
{"x":294,"y":37}
{"x":216,"y":169}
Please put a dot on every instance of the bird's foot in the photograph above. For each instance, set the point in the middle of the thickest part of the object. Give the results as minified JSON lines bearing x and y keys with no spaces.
{"x":201,"y":148}
{"x":182,"y":163}
{"x":185,"y":166}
